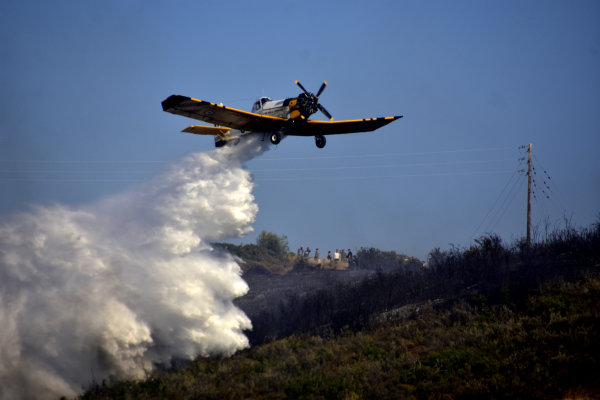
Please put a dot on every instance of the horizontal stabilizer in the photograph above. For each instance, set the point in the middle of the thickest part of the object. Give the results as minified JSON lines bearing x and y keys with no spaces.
{"x":223,"y":133}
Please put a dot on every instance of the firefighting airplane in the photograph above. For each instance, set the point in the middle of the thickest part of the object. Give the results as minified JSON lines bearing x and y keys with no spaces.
{"x":275,"y":119}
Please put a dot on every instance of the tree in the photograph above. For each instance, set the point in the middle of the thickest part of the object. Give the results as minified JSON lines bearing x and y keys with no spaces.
{"x":436,"y":258}
{"x":276,"y":245}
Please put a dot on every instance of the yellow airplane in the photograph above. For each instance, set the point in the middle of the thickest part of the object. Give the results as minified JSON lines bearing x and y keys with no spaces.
{"x":277,"y":119}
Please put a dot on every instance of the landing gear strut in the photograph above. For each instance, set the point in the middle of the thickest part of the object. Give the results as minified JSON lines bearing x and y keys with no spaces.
{"x":320,"y":141}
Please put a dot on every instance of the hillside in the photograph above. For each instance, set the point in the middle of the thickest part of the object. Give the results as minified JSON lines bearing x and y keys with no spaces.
{"x":543,"y":348}
{"x":296,"y":305}
{"x":490,"y":321}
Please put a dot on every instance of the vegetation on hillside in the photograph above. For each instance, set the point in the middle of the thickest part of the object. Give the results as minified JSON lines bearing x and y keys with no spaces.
{"x":270,"y":254}
{"x":490,"y":321}
{"x":494,"y":270}
{"x":375,"y":259}
{"x":540,"y":349}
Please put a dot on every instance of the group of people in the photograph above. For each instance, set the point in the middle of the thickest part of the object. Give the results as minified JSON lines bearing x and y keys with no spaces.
{"x":336,"y":257}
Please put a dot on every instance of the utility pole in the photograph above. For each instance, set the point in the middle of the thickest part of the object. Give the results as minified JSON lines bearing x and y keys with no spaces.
{"x":529,"y":198}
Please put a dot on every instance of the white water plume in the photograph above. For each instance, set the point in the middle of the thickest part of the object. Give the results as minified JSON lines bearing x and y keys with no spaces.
{"x":128,"y":282}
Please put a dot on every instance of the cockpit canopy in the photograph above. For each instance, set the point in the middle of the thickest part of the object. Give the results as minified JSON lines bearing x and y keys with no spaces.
{"x":258,"y":104}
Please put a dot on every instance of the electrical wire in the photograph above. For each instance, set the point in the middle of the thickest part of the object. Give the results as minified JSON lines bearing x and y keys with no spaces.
{"x":540,"y":203}
{"x":266,"y":179}
{"x":75,"y":180}
{"x":540,"y":187}
{"x":259,"y":159}
{"x":234,"y":101}
{"x":501,"y":205}
{"x":539,"y":207}
{"x":381,"y":155}
{"x":269,"y":179}
{"x":376,"y":176}
{"x":74,"y":161}
{"x":86,"y":172}
{"x":282,"y":169}
{"x":566,"y":204}
{"x":379,"y":166}
{"x":498,"y":198}
{"x":508,"y":206}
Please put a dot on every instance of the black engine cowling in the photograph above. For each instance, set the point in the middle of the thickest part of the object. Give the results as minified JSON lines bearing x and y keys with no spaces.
{"x":307,"y":104}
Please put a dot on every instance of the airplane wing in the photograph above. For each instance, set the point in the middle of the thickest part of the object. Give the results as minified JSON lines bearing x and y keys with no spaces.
{"x":223,"y":133}
{"x":312,"y":128}
{"x":221,"y":115}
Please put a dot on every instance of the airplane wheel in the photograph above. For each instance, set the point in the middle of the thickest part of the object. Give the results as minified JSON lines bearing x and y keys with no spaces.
{"x":275,"y":138}
{"x":320,"y":140}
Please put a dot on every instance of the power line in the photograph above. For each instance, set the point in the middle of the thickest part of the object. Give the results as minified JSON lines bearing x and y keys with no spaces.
{"x":551,"y":202}
{"x":508,"y":206}
{"x":256,"y":159}
{"x":268,"y":170}
{"x":377,"y":176}
{"x":267,"y":179}
{"x":75,"y":180}
{"x":73,"y":161}
{"x":233,"y":101}
{"x":502,"y":205}
{"x":381,"y":155}
{"x":87,"y":172}
{"x":498,"y":198}
{"x":566,"y":204}
{"x":541,"y":205}
{"x":379,"y":166}
{"x":537,"y":202}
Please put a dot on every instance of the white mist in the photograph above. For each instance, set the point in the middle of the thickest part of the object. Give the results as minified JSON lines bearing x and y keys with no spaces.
{"x":128,"y":282}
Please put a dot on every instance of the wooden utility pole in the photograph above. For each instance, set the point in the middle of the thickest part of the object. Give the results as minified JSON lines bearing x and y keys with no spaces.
{"x":529,"y":198}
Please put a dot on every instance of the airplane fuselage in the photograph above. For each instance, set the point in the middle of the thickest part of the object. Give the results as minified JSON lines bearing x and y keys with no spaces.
{"x":278,"y":108}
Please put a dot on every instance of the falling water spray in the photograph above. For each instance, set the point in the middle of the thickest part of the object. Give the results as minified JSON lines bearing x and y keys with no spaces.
{"x":129,"y":282}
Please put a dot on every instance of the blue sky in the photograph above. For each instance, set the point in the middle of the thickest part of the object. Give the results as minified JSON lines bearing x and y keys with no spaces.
{"x":83,"y":81}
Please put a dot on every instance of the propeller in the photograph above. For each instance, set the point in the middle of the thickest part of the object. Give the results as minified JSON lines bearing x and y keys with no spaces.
{"x":308,"y":103}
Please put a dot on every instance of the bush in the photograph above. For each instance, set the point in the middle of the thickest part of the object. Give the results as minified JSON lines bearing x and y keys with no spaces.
{"x":276,"y":246}
{"x":269,"y":255}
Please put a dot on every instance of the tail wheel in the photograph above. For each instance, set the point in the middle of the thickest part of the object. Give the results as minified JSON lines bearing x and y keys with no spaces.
{"x":320,"y":140}
{"x":275,"y":138}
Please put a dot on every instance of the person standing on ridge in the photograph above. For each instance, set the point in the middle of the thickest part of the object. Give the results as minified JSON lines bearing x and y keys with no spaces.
{"x":317,"y":255}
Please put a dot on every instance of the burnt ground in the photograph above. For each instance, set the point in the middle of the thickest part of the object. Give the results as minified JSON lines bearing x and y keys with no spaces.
{"x":268,"y":290}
